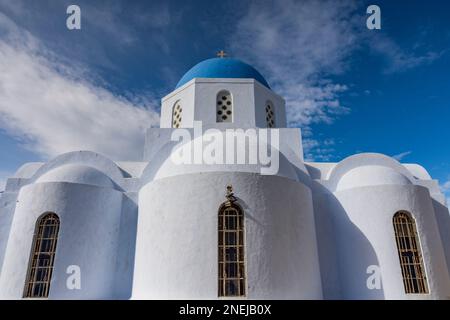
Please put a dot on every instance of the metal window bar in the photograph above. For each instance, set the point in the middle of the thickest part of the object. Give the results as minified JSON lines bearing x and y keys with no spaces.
{"x":270,"y":116}
{"x":224,"y":107}
{"x":42,"y":257}
{"x":411,"y":263}
{"x":177,"y":115}
{"x":231,"y":252}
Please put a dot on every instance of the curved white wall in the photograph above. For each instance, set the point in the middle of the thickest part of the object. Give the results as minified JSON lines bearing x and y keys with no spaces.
{"x":88,"y":237}
{"x":371,"y":175}
{"x":280,"y":164}
{"x":365,"y":236}
{"x":176,"y":246}
{"x":75,"y":173}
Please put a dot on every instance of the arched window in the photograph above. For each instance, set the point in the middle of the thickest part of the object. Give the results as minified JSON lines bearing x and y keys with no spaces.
{"x":42,"y":257}
{"x":270,"y":115}
{"x":408,"y":245}
{"x":224,"y":107}
{"x":177,"y":112}
{"x":231,"y":248}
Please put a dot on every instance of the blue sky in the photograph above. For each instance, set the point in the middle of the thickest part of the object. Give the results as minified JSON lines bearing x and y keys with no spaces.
{"x":349,"y":88}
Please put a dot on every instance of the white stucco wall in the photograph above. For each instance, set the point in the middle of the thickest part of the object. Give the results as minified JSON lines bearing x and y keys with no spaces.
{"x":443,"y":221}
{"x":324,"y":209}
{"x":88,"y":237}
{"x":262,"y":96}
{"x":125,"y":257}
{"x":186,"y":96}
{"x":176,"y":248}
{"x":7,"y":207}
{"x":363,"y":221}
{"x":148,"y":230}
{"x":198,"y":100}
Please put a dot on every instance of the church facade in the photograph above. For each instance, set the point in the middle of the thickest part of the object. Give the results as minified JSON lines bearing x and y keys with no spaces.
{"x":82,"y":226}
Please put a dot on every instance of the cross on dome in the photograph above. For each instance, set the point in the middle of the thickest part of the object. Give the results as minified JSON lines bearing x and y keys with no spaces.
{"x":222,"y":54}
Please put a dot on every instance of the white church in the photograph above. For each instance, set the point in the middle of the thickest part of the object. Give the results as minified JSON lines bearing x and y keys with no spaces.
{"x":82,"y":226}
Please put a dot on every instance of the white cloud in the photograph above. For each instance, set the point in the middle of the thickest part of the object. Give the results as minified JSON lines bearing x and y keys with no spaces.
{"x":53,"y":108}
{"x":399,"y":59}
{"x":300,"y":46}
{"x":4,"y":175}
{"x":402,"y":155}
{"x":296,"y":45}
{"x":445,"y":188}
{"x":315,"y":150}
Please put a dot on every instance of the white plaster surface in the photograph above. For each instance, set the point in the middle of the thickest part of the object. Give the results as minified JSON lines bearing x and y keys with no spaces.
{"x":281,"y":252}
{"x":148,"y":229}
{"x":88,"y":238}
{"x":366,"y":237}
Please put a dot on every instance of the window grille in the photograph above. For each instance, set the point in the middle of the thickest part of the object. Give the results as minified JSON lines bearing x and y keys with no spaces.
{"x":177,"y":114}
{"x":224,"y":107}
{"x":42,"y":257}
{"x":408,"y":246}
{"x":270,"y":115}
{"x":231,"y":248}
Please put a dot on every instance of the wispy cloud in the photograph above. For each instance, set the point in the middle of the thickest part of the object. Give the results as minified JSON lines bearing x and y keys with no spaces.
{"x":402,"y":155}
{"x":315,"y":150}
{"x":111,"y":31}
{"x":445,"y":187}
{"x":398,"y":59}
{"x":301,"y":46}
{"x":52,"y":108}
{"x":4,"y":175}
{"x":296,"y":45}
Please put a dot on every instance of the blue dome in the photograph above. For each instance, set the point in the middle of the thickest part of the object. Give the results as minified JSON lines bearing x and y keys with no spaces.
{"x":222,"y":68}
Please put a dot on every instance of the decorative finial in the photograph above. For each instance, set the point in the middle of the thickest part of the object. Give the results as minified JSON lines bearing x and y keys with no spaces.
{"x":230,"y":195}
{"x":222,"y":54}
{"x":229,"y":190}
